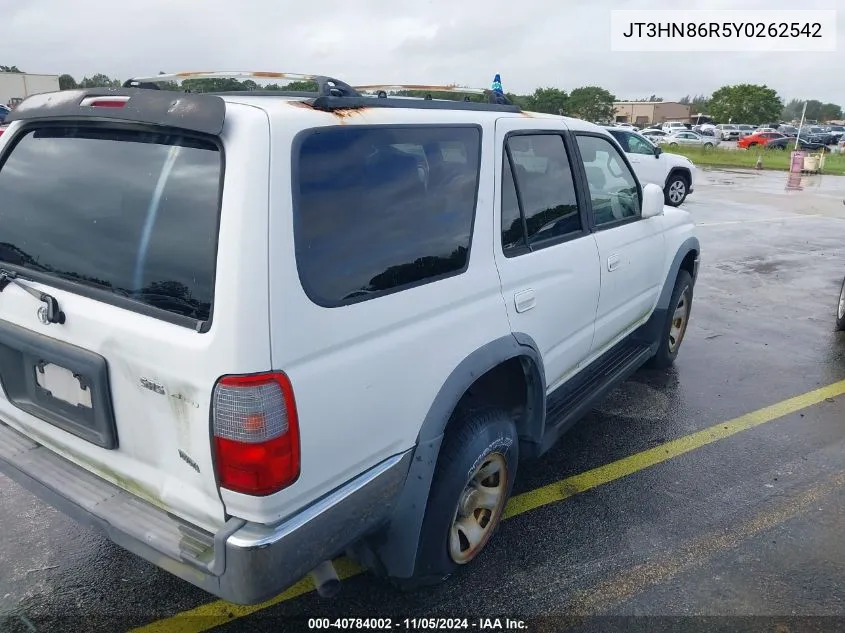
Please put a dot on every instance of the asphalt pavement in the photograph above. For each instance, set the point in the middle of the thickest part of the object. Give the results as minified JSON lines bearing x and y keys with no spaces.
{"x":714,"y":489}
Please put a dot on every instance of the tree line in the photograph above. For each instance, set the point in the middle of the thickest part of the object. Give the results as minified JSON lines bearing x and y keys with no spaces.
{"x":741,"y":103}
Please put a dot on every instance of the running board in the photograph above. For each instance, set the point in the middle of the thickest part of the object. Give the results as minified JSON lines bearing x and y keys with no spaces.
{"x":573,"y":400}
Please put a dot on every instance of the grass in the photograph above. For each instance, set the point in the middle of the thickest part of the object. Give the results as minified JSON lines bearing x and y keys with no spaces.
{"x":772,"y":158}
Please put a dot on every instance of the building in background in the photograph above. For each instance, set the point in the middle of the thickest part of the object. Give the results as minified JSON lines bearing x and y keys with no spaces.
{"x":15,"y":87}
{"x":646,"y":112}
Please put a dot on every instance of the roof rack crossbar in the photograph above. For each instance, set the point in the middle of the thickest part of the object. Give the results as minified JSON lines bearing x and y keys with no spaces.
{"x":326,"y":86}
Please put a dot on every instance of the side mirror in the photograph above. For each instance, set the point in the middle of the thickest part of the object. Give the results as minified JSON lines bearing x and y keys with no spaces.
{"x":652,"y":201}
{"x":658,"y":151}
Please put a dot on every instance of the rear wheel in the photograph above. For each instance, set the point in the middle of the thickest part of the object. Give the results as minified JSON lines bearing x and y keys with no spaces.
{"x":675,"y":327}
{"x":840,"y":311}
{"x":673,"y":144}
{"x":472,"y":483}
{"x":708,"y":146}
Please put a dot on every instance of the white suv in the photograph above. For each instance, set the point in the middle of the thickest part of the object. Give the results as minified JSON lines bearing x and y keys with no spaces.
{"x":673,"y":173}
{"x":245,"y":333}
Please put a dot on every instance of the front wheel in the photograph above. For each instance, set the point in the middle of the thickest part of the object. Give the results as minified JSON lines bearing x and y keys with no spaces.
{"x":708,"y":146}
{"x":676,"y":190}
{"x":675,"y":327}
{"x":840,"y":311}
{"x":473,"y":481}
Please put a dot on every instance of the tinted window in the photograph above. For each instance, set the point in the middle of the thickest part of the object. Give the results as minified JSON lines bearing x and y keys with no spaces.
{"x":621,"y":138}
{"x":613,"y":188}
{"x":546,"y":190}
{"x":379,"y":209}
{"x":132,"y":213}
{"x":638,"y":145}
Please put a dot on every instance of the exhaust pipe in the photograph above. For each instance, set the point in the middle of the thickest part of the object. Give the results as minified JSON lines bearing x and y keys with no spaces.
{"x":326,"y":580}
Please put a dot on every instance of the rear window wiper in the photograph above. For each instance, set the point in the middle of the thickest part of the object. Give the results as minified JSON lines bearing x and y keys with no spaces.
{"x":50,"y":312}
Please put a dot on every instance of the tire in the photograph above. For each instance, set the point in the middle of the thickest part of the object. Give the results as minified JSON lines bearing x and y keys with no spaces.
{"x":673,"y":144}
{"x":840,"y":312}
{"x":750,"y":145}
{"x":672,"y":332}
{"x":676,"y":190}
{"x":708,"y":146}
{"x":478,"y":440}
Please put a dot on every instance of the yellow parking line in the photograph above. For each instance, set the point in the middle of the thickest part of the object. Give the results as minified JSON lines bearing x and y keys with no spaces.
{"x":214,"y":614}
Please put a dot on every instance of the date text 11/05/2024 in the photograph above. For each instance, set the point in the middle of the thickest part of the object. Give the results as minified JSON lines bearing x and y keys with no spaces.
{"x":487,"y":625}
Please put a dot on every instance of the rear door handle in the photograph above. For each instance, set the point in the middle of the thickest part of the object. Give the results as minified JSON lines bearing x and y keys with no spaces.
{"x":524,"y":300}
{"x":613,"y":262}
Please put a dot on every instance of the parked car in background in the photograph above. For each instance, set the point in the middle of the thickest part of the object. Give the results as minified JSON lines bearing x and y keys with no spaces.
{"x":727,"y":132}
{"x":787,"y":142}
{"x":4,"y":112}
{"x":628,"y":126}
{"x":673,"y":173}
{"x":837,"y":131}
{"x":689,"y":138}
{"x":816,"y":134}
{"x":746,"y":130}
{"x":840,"y":309}
{"x":671,"y":127}
{"x":652,"y":134}
{"x":758,"y":138}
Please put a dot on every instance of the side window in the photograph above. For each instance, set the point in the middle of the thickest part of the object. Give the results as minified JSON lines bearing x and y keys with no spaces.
{"x":613,"y":188}
{"x":637,"y":145}
{"x":621,"y":138}
{"x":378,"y":209}
{"x":538,"y":192}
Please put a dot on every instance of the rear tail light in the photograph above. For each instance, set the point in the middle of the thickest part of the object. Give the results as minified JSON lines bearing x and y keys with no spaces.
{"x":256,"y":433}
{"x":104,"y":102}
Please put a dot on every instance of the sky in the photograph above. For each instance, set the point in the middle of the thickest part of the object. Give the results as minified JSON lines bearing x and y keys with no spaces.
{"x":531,"y":43}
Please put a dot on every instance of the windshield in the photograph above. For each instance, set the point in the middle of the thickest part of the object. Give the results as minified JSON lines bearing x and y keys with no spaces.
{"x":131,"y":213}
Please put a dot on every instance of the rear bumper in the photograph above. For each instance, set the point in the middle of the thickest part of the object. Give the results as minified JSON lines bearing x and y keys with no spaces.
{"x":243,"y":562}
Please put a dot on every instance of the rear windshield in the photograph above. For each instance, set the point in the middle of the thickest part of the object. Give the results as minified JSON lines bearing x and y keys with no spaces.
{"x":134,"y":214}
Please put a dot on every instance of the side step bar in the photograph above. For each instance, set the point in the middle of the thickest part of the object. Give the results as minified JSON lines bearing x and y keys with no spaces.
{"x":573,"y":400}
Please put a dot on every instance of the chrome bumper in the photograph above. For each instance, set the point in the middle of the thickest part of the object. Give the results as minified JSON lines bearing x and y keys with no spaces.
{"x":244,"y":563}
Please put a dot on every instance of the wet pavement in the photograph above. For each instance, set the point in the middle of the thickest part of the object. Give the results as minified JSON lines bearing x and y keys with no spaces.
{"x":749,"y":525}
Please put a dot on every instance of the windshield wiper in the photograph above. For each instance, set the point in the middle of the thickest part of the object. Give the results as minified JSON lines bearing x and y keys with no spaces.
{"x":50,"y":312}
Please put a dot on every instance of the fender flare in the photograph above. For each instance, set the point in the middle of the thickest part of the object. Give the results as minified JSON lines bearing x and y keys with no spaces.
{"x":396,"y":549}
{"x":688,"y":245}
{"x":683,"y":170}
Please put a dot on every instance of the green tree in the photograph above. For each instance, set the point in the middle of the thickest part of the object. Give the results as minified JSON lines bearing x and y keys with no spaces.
{"x":99,"y":81}
{"x":66,"y":82}
{"x":814,"y":110}
{"x":700,"y":104}
{"x":591,"y":103}
{"x":745,"y":103}
{"x":792,"y":110}
{"x":548,"y":100}
{"x":830,"y":112}
{"x":10,"y":69}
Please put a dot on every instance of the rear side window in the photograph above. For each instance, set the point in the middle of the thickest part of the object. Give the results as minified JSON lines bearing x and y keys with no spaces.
{"x":129,"y":213}
{"x":380,"y":209}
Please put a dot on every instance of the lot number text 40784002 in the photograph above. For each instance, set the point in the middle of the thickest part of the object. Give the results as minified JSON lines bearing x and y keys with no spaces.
{"x":487,"y":625}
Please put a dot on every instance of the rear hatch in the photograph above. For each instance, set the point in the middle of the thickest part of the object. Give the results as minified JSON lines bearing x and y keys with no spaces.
{"x":116,"y":319}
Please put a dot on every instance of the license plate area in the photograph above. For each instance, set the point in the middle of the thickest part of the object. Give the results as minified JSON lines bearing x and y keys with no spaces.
{"x":60,"y":383}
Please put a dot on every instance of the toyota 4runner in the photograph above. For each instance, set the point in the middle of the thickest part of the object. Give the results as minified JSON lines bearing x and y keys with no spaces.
{"x":245,"y":333}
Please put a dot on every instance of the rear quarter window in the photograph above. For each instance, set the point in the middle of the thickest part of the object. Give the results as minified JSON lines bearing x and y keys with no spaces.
{"x":132,"y":215}
{"x":382,"y":209}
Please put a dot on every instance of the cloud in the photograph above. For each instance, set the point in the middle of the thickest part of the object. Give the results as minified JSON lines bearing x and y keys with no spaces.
{"x":531,"y":43}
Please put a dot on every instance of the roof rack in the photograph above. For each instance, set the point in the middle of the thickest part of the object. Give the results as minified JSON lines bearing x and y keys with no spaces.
{"x":334,"y":94}
{"x":326,"y":86}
